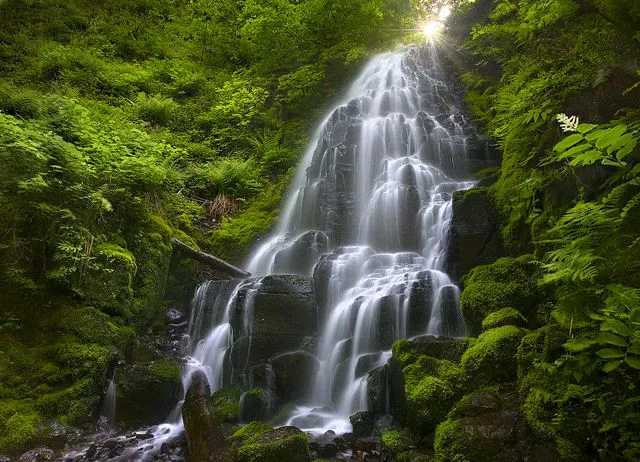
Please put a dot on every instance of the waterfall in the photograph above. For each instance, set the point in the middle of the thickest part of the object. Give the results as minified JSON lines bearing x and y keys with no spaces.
{"x":375,"y":190}
{"x":368,"y":220}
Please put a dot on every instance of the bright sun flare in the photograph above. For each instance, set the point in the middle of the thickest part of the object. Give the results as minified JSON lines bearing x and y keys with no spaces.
{"x":432,"y":28}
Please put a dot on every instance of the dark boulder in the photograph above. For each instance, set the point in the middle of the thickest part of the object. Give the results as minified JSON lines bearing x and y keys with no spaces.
{"x":271,"y":316}
{"x":294,"y":374}
{"x":147,"y":393}
{"x":363,"y":423}
{"x":488,"y":425}
{"x":474,"y":237}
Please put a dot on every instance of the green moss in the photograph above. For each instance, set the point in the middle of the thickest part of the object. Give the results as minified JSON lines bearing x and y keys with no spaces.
{"x":19,"y":430}
{"x":493,"y":357}
{"x":226,"y":404}
{"x":508,"y":282}
{"x":259,"y":442}
{"x":249,"y":431}
{"x":236,"y":234}
{"x":396,"y":441}
{"x":504,"y":317}
{"x":165,"y":369}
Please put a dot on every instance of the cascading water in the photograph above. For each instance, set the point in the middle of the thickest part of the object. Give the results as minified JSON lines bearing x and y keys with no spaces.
{"x":368,"y":220}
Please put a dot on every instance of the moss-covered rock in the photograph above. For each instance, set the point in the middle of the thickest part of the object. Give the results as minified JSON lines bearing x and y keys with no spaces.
{"x":147,"y":392}
{"x":431,"y":386}
{"x":259,"y":442}
{"x":508,"y":282}
{"x":487,"y":425}
{"x":492,"y":358}
{"x":225,"y":404}
{"x":504,"y":317}
{"x":397,"y":441}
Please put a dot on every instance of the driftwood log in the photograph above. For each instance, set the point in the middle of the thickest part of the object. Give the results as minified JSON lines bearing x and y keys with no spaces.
{"x":207,"y":259}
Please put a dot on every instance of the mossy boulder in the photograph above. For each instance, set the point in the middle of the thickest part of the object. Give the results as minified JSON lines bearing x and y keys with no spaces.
{"x":397,"y":441}
{"x":259,"y":442}
{"x":508,"y":282}
{"x":107,"y":282}
{"x":504,"y":317}
{"x":435,"y":347}
{"x":225,"y":404}
{"x":492,"y":358}
{"x":147,"y":393}
{"x":487,"y":425}
{"x":431,"y":386}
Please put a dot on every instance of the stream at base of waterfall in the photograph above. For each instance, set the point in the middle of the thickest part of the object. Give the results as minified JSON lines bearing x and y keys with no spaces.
{"x":367,"y":220}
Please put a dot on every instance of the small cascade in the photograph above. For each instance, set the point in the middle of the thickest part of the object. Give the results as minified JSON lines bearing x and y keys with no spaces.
{"x":108,"y":410}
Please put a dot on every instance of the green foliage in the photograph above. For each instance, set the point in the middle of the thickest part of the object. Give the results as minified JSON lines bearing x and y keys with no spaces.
{"x":608,"y":146}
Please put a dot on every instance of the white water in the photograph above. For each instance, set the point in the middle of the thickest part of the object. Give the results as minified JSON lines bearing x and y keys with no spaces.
{"x":377,"y":181}
{"x":369,"y":216}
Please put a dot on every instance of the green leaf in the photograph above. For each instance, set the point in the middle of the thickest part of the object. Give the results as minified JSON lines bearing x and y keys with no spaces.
{"x":610,"y":353}
{"x":573,"y":151}
{"x":613,"y":339}
{"x":610,"y":136}
{"x":577,"y":345}
{"x":620,"y":328}
{"x":587,"y":158}
{"x":568,"y":142}
{"x":635,"y":315}
{"x":633,"y":362}
{"x":612,"y":365}
{"x":584,"y":128}
{"x":608,"y":426}
{"x":635,"y":349}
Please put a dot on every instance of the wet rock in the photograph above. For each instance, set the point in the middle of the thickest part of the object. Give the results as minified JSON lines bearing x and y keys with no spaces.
{"x":363,"y":423}
{"x":474,"y":237}
{"x":419,"y":304}
{"x":205,"y":438}
{"x":174,"y":316}
{"x":294,"y":374}
{"x":377,"y":390}
{"x":366,"y":444}
{"x":147,"y":393}
{"x":300,"y":256}
{"x":37,"y":455}
{"x":257,"y":404}
{"x":280,"y":311}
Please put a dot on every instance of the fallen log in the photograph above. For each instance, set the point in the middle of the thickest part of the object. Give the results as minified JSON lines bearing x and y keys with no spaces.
{"x":210,"y":260}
